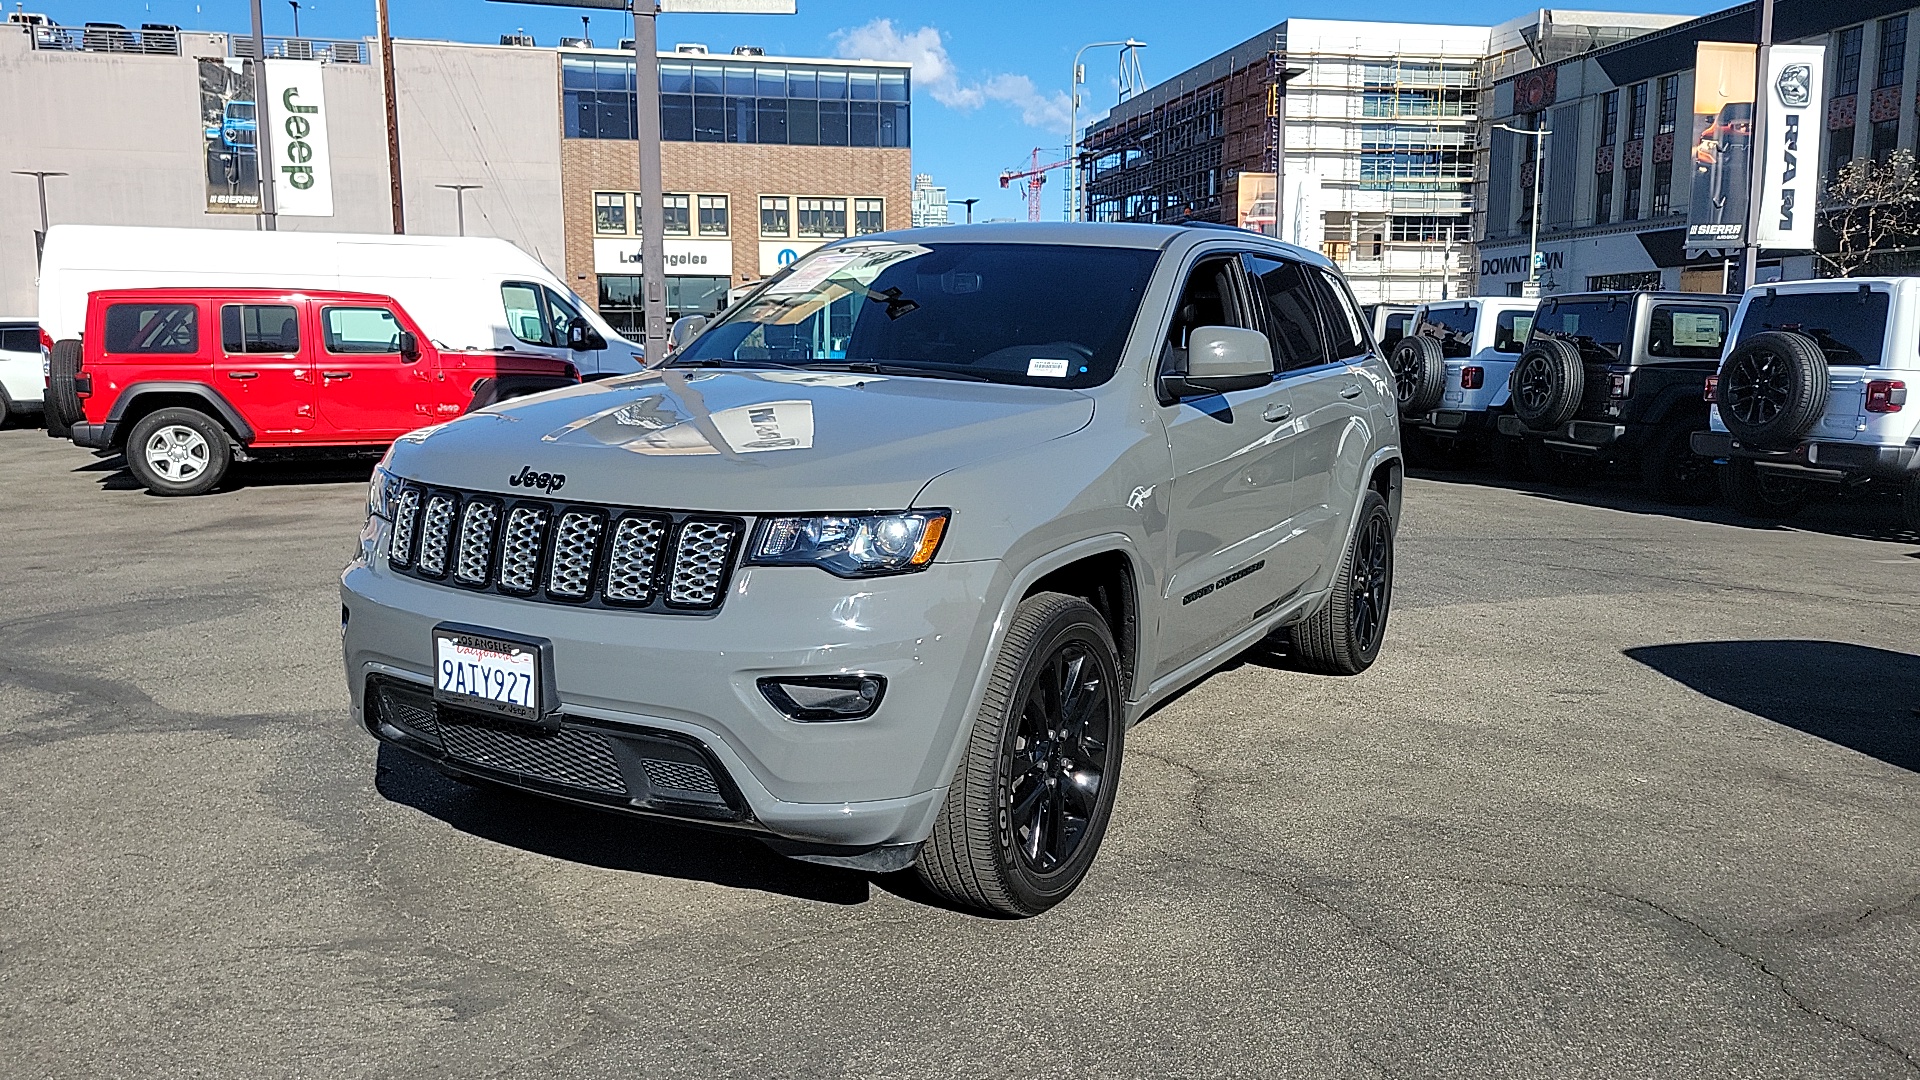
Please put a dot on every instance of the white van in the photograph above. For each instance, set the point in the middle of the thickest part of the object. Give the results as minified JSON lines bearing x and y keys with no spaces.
{"x":466,"y":292}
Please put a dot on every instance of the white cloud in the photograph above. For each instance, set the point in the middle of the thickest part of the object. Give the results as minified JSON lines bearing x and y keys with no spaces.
{"x":934,"y":73}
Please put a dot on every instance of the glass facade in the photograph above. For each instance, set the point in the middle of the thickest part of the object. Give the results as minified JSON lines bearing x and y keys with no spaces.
{"x":725,"y":99}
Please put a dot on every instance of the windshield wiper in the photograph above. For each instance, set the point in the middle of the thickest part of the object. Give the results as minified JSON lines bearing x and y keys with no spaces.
{"x":871,"y":367}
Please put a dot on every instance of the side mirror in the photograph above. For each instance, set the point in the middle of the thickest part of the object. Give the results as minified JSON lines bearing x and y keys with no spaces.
{"x":409,"y":346}
{"x":582,"y":337}
{"x":1221,"y":359}
{"x":685,"y":329}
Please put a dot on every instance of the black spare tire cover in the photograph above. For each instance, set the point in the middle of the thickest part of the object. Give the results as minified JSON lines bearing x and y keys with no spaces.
{"x":1548,"y":383}
{"x":62,"y":406}
{"x":1773,"y":388}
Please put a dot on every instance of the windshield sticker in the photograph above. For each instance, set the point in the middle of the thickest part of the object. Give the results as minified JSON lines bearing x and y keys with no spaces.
{"x":1047,"y":369}
{"x":1692,"y":328}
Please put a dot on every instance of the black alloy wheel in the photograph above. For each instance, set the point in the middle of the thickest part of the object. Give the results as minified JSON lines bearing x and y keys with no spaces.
{"x":1773,"y":388}
{"x":1758,"y":387}
{"x":1058,"y":766}
{"x":1371,"y":586}
{"x":1532,"y":385}
{"x":1672,"y":473}
{"x":1344,"y":636}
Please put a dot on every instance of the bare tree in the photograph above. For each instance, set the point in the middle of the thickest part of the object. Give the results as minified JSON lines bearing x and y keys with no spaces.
{"x":1871,"y":206}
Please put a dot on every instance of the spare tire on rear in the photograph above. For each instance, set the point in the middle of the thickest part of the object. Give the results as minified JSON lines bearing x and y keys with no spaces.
{"x":62,"y":406}
{"x":1773,"y":388}
{"x":1548,"y":383}
{"x":1419,"y":374}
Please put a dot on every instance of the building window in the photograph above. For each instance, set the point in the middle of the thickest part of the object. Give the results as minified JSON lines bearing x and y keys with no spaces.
{"x":609,"y":213}
{"x":773,"y":215}
{"x":1886,"y":139}
{"x":1893,"y":51}
{"x":621,"y":304}
{"x":1429,"y":229}
{"x":1669,"y":103}
{"x":1635,"y":280}
{"x":1395,"y":152}
{"x":869,"y":216}
{"x":1839,"y":151}
{"x":1609,"y":117}
{"x":1662,"y":188}
{"x":1603,"y":200}
{"x":713,"y":215}
{"x":1637,"y":113}
{"x":1846,"y":72}
{"x":676,"y":223}
{"x":1631,"y":212}
{"x":740,"y":101}
{"x":823,"y":217}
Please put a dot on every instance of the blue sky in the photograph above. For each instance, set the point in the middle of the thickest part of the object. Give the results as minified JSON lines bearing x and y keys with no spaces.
{"x":990,"y":75}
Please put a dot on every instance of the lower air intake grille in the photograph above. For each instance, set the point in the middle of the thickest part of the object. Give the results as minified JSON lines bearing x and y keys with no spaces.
{"x":579,"y":759}
{"x":679,"y":776}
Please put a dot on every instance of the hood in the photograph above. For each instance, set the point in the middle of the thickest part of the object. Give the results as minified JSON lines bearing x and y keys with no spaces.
{"x":740,"y":441}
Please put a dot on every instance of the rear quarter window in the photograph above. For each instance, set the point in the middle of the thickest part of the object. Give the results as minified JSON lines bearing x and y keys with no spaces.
{"x":135,"y":329}
{"x":1686,"y":331}
{"x":1510,"y":331}
{"x":1851,"y":325}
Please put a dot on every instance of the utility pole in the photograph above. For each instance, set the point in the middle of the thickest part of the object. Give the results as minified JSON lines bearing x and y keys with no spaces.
{"x":393,"y":115}
{"x":262,"y":140}
{"x":1539,"y":133}
{"x":460,"y":202}
{"x":1756,"y":157}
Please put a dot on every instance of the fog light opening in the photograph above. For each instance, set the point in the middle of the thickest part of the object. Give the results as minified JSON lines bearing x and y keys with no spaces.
{"x":817,"y":698}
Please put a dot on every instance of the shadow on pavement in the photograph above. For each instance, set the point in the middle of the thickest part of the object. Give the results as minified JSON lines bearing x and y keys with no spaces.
{"x":112,"y":473}
{"x":1855,"y":696}
{"x":582,"y":834}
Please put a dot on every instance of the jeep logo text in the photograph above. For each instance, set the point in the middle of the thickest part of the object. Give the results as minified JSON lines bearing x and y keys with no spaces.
{"x":547,"y":482}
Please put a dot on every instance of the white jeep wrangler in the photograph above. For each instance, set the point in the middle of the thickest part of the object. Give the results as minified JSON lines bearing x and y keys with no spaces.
{"x":1451,"y":369}
{"x":1814,"y":389}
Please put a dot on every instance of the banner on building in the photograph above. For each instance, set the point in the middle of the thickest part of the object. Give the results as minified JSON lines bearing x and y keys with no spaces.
{"x":1722,"y":149}
{"x":228,"y":133}
{"x":1258,"y":202}
{"x":297,"y":147}
{"x":1796,"y":115}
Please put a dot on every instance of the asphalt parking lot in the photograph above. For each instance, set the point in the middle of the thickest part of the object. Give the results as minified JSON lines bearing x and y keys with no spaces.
{"x":1628,"y":794}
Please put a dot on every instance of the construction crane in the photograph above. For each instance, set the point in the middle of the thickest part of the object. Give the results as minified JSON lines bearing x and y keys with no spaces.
{"x":1030,"y":180}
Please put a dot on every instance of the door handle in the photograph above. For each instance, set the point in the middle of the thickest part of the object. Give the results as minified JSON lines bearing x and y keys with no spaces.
{"x":336,"y":374}
{"x":1275,"y":413}
{"x":243,"y":374}
{"x":1350,"y":391}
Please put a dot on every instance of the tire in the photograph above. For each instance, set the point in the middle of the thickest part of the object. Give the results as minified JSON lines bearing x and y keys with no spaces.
{"x":995,"y":846}
{"x":1550,"y":466}
{"x":1752,"y":492}
{"x":1548,"y":383}
{"x":1910,"y":502}
{"x":1773,"y":389}
{"x":6,"y":410}
{"x":1508,"y":454}
{"x":1672,"y":473}
{"x":1419,"y":375}
{"x":178,"y":452}
{"x":62,"y":404}
{"x":1344,"y":636}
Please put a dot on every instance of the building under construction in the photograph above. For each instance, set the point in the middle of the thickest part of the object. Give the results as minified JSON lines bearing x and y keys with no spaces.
{"x":1353,"y":138}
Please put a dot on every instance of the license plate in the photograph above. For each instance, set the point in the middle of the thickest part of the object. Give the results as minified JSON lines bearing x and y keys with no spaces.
{"x":489,"y":673}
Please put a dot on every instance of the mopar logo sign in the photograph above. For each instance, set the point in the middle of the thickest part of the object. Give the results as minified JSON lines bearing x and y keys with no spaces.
{"x":1517,"y":264}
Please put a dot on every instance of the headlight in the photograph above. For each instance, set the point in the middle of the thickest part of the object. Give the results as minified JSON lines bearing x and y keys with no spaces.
{"x":380,"y":492}
{"x":851,"y":545}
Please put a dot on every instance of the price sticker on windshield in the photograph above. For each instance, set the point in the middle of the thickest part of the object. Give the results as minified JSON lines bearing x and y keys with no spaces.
{"x":1047,"y":369}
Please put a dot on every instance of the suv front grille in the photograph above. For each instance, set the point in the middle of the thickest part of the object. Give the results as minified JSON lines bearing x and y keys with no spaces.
{"x":600,"y":556}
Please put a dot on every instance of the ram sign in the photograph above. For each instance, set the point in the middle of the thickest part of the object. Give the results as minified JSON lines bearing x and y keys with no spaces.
{"x":1790,"y":153}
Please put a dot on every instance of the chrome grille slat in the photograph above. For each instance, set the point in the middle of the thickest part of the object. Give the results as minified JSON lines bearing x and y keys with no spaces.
{"x":406,"y":517}
{"x":655,"y":561}
{"x":633,"y":558}
{"x":520,"y":550}
{"x":700,"y":562}
{"x":576,"y":539}
{"x":475,"y":564}
{"x":436,"y":529}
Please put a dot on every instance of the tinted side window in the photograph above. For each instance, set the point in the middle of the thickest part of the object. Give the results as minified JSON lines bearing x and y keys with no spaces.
{"x":1510,"y":331}
{"x":1345,"y":338}
{"x":259,"y":328}
{"x":1597,"y":327}
{"x":1850,"y":326}
{"x":1686,"y":331}
{"x":1397,"y":325}
{"x":526,"y":316}
{"x":1293,"y":324}
{"x":1452,"y":326}
{"x":20,"y":339}
{"x":1208,"y":299}
{"x":365,"y":330}
{"x":153,"y":328}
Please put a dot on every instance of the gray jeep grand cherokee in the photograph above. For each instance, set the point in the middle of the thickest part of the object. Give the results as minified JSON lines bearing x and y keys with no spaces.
{"x":882,"y":564}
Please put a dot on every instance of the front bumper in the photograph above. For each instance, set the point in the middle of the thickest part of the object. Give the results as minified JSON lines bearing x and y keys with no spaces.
{"x":635,"y":680}
{"x":1829,"y":458}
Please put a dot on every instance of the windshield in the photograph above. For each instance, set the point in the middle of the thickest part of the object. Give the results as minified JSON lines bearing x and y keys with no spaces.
{"x":1035,"y":314}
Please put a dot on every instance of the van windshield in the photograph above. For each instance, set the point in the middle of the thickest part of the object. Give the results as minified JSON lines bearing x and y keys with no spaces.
{"x":1034,"y":314}
{"x":1849,"y":324}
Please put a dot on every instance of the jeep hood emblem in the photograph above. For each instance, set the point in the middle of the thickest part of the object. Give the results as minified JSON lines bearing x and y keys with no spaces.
{"x":547,"y":482}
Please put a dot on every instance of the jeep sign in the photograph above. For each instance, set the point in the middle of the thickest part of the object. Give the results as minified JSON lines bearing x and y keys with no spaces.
{"x":1796,"y":118}
{"x":296,"y":124}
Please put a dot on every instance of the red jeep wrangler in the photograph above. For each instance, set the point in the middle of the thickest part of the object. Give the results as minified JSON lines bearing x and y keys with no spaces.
{"x":187,"y":381}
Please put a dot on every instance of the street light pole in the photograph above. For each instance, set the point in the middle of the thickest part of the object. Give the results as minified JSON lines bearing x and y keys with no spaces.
{"x":1073,"y":123}
{"x":1539,"y":195}
{"x":262,"y":159}
{"x":460,"y":202}
{"x":653,"y":216}
{"x":1756,"y":162}
{"x":40,"y":178}
{"x":968,"y":203}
